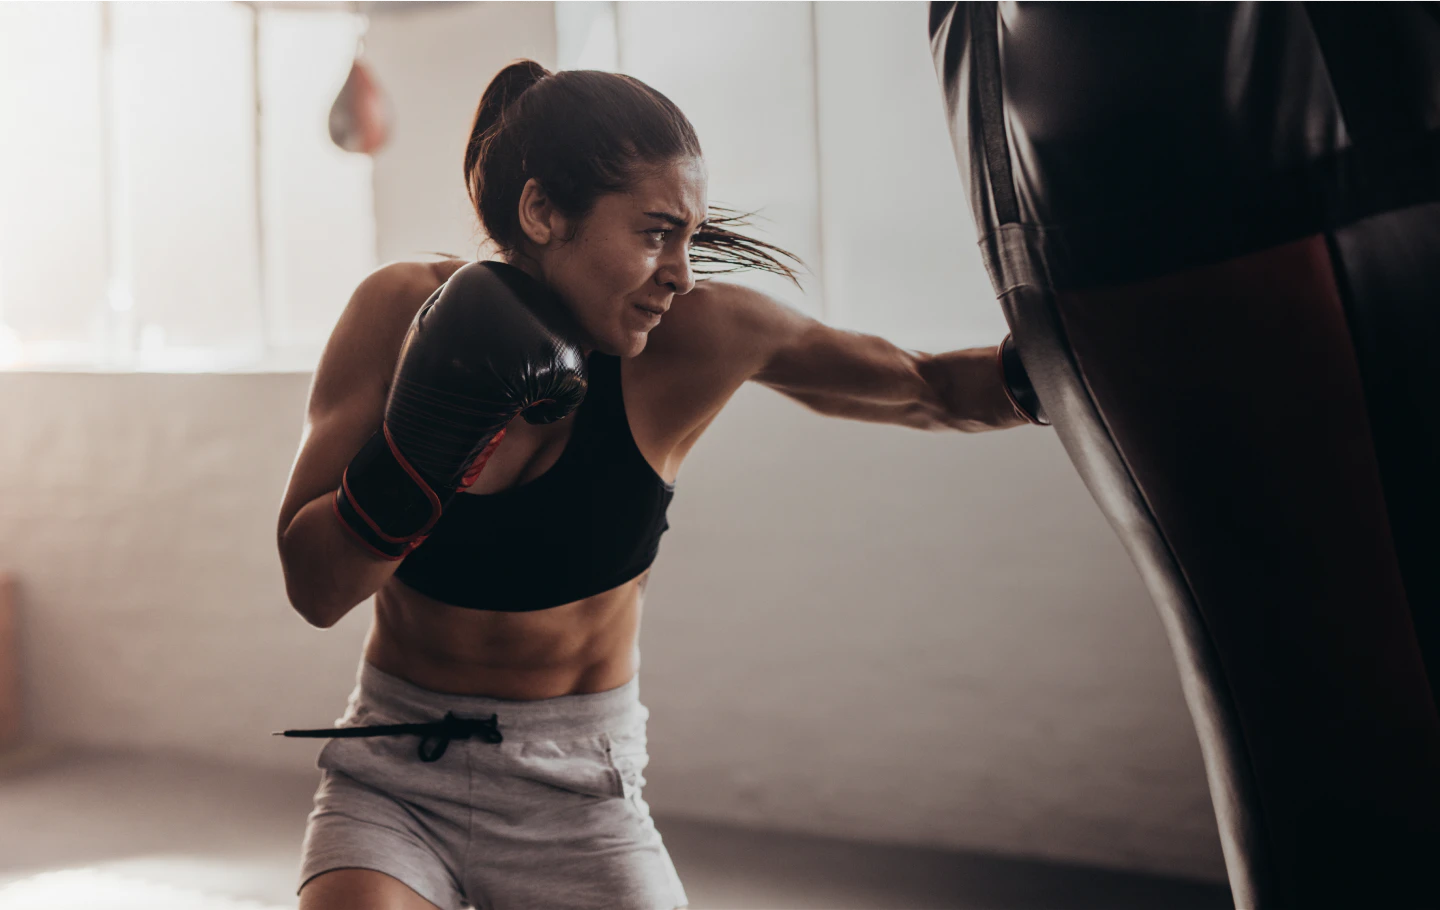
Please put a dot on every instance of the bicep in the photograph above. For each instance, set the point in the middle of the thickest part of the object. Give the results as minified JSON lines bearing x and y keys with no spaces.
{"x":348,"y":391}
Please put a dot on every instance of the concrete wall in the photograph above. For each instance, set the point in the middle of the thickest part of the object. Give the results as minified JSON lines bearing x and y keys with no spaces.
{"x":853,"y":629}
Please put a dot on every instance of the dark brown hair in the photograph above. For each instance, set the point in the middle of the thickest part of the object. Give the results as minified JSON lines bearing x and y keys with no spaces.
{"x":583,"y":133}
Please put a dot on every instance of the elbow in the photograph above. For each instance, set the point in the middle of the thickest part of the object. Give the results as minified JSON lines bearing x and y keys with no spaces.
{"x":316,"y":614}
{"x":320,"y":623}
{"x":313,"y":610}
{"x":304,"y":599}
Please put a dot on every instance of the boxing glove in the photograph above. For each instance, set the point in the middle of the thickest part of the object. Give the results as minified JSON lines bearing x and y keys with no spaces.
{"x":1017,"y":385}
{"x":490,"y":344}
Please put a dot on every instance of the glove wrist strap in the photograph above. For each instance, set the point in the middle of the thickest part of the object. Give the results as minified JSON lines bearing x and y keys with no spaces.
{"x":386,"y":504}
{"x":1017,"y":385}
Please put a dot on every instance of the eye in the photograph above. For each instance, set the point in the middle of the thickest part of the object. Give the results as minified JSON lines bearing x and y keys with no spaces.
{"x":660,"y":234}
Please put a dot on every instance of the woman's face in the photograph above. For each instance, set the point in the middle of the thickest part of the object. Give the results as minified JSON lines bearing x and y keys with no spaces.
{"x":622,"y":265}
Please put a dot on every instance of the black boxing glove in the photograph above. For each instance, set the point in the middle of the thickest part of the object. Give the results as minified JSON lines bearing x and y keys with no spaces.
{"x":1017,"y":385}
{"x":490,"y":344}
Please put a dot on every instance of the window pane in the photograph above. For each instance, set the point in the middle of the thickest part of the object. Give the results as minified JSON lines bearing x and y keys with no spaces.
{"x":52,"y":241}
{"x":184,"y":242}
{"x":318,"y":203}
{"x":743,"y":74}
{"x":900,"y":253}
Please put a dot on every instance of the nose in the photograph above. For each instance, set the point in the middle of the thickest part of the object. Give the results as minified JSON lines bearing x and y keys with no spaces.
{"x":676,"y":274}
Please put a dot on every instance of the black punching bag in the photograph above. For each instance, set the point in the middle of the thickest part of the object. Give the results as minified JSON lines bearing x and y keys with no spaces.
{"x":1214,"y":230}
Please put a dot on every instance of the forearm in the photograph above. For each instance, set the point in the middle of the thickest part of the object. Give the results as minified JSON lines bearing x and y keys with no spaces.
{"x":957,"y":390}
{"x":969,"y":387}
{"x":921,"y":413}
{"x":326,"y":571}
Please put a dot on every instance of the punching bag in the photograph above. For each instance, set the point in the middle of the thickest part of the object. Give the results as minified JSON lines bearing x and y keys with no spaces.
{"x":360,"y":116}
{"x":1214,"y":230}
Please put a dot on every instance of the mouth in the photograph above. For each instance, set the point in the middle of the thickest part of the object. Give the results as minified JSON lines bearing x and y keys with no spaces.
{"x":657,"y":312}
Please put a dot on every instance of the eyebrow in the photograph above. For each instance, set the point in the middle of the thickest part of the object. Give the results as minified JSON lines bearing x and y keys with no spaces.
{"x":675,"y":220}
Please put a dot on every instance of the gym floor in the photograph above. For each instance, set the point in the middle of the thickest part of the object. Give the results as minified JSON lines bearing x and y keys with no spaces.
{"x":115,"y":831}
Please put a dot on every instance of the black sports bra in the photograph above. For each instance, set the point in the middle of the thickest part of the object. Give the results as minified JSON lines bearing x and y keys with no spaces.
{"x":590,"y":523}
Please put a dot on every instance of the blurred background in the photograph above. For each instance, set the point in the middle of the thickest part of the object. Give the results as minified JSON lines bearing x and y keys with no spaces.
{"x":857,"y":637}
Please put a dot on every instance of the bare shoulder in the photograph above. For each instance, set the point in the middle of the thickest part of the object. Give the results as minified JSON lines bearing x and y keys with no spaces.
{"x":404,"y":286}
{"x":441,"y":271}
{"x":728,"y":327}
{"x":712,"y":341}
{"x":362,"y":349}
{"x":398,"y":289}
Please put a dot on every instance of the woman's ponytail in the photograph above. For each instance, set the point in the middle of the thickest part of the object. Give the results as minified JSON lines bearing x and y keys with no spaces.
{"x":510,"y":83}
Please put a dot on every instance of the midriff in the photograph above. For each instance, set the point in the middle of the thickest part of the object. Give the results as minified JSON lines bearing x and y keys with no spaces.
{"x":591,"y":645}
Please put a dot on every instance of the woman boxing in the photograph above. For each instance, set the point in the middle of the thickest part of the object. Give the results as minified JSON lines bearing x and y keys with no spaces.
{"x":492,"y":751}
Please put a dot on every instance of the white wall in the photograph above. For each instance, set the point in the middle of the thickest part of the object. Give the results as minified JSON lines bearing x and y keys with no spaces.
{"x":433,"y":64}
{"x":744,"y":75}
{"x":900,"y":248}
{"x":853,"y":630}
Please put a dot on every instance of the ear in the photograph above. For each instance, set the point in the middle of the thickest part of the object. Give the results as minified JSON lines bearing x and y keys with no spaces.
{"x":539,"y":220}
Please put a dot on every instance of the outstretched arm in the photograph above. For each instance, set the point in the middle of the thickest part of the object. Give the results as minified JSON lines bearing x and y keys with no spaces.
{"x":864,"y":377}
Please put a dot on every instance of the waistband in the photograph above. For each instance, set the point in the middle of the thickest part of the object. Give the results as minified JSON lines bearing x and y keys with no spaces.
{"x":519,"y":720}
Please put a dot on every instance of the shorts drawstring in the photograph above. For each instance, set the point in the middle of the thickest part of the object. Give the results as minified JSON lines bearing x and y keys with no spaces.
{"x":435,"y":736}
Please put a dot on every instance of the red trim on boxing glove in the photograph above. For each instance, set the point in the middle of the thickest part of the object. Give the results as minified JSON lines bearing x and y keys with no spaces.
{"x":478,"y":465}
{"x":380,"y":493}
{"x":435,"y":504}
{"x":355,"y":535}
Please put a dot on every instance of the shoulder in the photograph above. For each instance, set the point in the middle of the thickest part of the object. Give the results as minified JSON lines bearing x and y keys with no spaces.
{"x":734,"y":304}
{"x":731,"y":322}
{"x":366,"y":340}
{"x":706,"y":347}
{"x":388,"y":298}
{"x":399,"y":283}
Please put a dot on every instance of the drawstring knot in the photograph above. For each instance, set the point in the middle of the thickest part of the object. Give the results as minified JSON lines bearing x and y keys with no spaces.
{"x":462,"y":728}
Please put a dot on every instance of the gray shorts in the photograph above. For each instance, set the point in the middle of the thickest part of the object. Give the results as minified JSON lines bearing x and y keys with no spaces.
{"x":550,"y":817}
